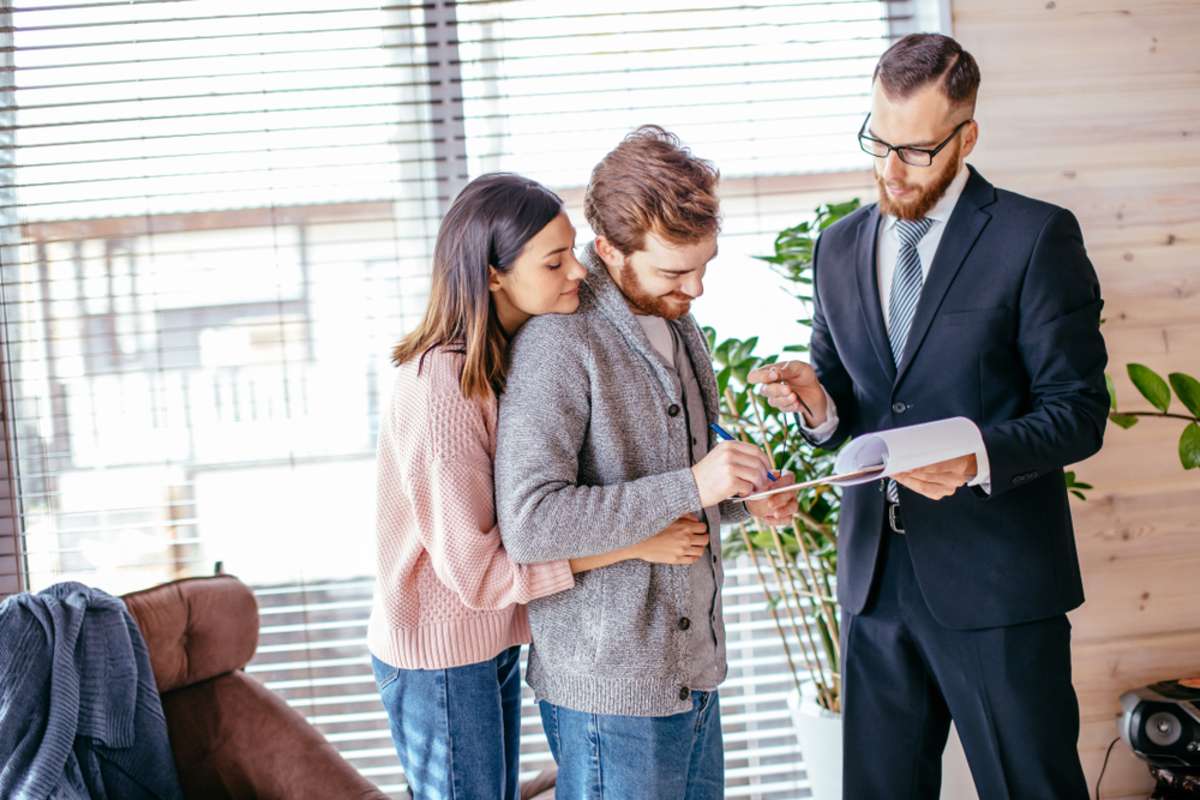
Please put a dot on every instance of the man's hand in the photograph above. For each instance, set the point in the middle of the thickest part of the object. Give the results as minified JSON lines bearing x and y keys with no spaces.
{"x":730,"y":468}
{"x":940,"y":480}
{"x":790,"y":386}
{"x":778,"y":509}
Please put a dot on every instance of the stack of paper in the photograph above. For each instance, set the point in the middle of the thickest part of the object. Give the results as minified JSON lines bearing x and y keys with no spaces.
{"x":886,"y":453}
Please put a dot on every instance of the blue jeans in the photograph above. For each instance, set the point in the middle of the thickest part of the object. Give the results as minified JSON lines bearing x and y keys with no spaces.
{"x":611,"y":757}
{"x":457,"y":731}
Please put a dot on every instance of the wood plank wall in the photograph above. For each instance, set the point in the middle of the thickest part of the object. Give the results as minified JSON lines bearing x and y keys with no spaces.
{"x":1095,"y":105}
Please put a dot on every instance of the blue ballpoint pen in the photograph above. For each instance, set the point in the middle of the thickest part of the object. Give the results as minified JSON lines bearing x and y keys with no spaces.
{"x":724,"y":434}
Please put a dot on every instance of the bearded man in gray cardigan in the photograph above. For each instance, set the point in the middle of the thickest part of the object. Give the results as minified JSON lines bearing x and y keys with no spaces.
{"x":604,"y":440}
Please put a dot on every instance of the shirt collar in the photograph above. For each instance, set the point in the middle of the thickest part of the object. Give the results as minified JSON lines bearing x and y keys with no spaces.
{"x":945,"y":205}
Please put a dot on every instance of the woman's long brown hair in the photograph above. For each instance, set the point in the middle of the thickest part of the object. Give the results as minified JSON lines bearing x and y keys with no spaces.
{"x":488,"y":225}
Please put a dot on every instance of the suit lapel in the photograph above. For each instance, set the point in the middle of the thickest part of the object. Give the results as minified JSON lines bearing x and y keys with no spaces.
{"x":966,"y":222}
{"x":868,"y":292}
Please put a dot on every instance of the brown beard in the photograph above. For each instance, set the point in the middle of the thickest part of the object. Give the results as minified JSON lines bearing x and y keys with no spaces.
{"x":645,"y":303}
{"x":926,"y":199}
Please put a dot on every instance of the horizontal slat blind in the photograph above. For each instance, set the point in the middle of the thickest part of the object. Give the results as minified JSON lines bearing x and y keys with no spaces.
{"x":216,"y":217}
{"x":762,"y":88}
{"x":10,"y":524}
{"x":222,"y":216}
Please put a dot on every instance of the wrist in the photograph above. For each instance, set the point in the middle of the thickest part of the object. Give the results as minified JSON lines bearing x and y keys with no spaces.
{"x":699,"y":489}
{"x":816,"y":410}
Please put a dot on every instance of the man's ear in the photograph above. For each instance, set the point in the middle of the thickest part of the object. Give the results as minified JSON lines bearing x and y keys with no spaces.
{"x":970,"y":137}
{"x":610,"y":255}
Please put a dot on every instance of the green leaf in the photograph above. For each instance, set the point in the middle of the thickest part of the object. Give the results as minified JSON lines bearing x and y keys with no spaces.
{"x":1187,"y":389}
{"x":1075,"y":486}
{"x":723,"y":380}
{"x":1151,"y":385}
{"x":1189,"y":446}
{"x":721,"y":351}
{"x":740,"y":402}
{"x":1112,"y":392}
{"x":1126,"y":421}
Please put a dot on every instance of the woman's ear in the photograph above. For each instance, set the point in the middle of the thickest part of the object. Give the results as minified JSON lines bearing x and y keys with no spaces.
{"x":494,"y":279}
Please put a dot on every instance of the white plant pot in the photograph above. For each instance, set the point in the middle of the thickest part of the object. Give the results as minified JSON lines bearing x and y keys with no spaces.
{"x":820,"y":737}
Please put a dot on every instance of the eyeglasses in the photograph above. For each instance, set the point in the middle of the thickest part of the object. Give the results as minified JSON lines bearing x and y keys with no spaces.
{"x":913,"y":156}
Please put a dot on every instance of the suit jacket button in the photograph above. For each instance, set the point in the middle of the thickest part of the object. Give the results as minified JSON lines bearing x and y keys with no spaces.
{"x":899,"y":408}
{"x":673,"y":410}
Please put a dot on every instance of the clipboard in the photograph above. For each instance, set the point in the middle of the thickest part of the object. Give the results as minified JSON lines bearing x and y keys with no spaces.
{"x":859,"y":475}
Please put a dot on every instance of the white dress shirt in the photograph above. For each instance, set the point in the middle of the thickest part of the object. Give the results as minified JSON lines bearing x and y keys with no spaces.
{"x":887,"y":249}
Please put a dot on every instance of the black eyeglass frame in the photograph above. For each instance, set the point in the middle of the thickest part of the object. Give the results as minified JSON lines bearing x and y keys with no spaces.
{"x":930,"y":153}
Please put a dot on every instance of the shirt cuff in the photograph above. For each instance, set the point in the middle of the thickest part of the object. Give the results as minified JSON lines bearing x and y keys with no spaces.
{"x":827,"y":428}
{"x":983,"y":477}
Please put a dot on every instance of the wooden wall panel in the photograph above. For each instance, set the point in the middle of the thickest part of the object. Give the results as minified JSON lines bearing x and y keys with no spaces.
{"x":1095,"y":105}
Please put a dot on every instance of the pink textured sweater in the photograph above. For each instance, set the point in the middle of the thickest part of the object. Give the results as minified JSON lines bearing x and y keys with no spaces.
{"x":446,"y":593}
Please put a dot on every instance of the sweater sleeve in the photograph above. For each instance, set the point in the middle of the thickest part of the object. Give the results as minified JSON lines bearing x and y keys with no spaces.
{"x":452,"y":498}
{"x":545,"y":414}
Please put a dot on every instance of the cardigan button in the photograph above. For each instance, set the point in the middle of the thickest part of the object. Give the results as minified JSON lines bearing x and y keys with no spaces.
{"x":684,"y":693}
{"x":684,"y":623}
{"x":673,"y":410}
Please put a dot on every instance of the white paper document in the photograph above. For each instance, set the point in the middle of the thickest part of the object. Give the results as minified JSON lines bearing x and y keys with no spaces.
{"x":885,"y":453}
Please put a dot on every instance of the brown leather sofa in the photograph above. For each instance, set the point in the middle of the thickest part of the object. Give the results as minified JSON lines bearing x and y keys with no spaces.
{"x":232,"y":737}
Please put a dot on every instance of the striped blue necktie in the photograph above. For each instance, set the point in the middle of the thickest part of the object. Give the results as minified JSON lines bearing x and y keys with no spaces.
{"x":906,"y":291}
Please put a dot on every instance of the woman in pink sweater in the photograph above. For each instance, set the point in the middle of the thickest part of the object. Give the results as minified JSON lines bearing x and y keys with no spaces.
{"x":448,"y":619}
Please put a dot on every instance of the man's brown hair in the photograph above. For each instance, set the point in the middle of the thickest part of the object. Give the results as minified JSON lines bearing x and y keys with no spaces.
{"x":651,"y":183}
{"x":920,"y":59}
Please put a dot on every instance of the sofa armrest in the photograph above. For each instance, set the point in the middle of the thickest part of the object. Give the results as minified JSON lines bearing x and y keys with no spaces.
{"x":196,"y":628}
{"x":233,"y":738}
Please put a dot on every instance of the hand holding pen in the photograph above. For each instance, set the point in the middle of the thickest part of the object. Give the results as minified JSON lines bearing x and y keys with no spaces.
{"x":730,"y":469}
{"x":792,"y":386}
{"x":728,"y":437}
{"x":774,"y":510}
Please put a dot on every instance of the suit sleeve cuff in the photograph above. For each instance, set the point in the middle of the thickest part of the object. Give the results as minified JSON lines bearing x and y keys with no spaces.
{"x":827,"y":428}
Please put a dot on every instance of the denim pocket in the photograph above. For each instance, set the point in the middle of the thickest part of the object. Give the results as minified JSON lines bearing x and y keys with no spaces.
{"x":385,"y":674}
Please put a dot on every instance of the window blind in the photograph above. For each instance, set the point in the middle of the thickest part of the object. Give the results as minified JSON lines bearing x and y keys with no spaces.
{"x":216,"y":218}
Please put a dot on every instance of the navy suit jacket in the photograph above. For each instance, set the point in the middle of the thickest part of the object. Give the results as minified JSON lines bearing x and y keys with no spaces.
{"x":1007,"y":334}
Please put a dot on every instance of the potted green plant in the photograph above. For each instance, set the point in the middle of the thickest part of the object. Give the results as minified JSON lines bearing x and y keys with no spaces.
{"x":796,"y":564}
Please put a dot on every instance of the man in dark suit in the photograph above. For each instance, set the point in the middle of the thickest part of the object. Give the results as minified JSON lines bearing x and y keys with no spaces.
{"x":950,"y":297}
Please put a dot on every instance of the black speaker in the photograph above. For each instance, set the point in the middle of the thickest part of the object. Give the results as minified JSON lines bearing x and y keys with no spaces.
{"x":1161,"y":723}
